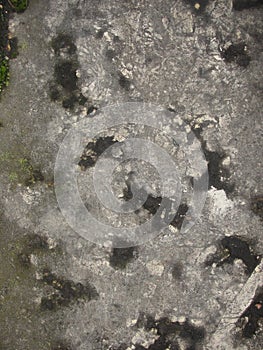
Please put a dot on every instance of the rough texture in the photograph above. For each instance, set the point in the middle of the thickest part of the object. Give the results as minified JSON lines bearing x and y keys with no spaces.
{"x":202,"y":60}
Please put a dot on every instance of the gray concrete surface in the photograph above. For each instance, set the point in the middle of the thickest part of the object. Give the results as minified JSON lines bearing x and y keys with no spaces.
{"x":176,"y":56}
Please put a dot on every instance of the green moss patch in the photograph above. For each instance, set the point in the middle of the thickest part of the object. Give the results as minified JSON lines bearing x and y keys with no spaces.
{"x":19,"y":5}
{"x":4,"y":73}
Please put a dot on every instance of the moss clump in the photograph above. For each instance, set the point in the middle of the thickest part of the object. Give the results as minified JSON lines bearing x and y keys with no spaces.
{"x":19,"y":5}
{"x":4,"y":73}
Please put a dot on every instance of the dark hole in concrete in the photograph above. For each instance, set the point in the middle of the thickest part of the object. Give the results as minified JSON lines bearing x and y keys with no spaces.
{"x":169,"y":332}
{"x":91,"y":110}
{"x":121,"y":257}
{"x":254,"y":313}
{"x":54,"y":93}
{"x":24,"y":259}
{"x":69,"y":102}
{"x":236,"y":53}
{"x":37,"y":242}
{"x":177,"y":271}
{"x":180,"y":216}
{"x":100,"y":33}
{"x":65,"y":75}
{"x":218,"y":175}
{"x":239,"y":249}
{"x":152,"y":204}
{"x":124,"y":82}
{"x":110,"y":54}
{"x":240,"y":5}
{"x":82,"y":99}
{"x":236,"y":248}
{"x":13,"y":53}
{"x":93,"y":150}
{"x":63,"y":41}
{"x":257,"y":205}
{"x":68,"y":291}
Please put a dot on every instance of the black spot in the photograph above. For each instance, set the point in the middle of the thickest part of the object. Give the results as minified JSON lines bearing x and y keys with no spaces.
{"x":82,"y":99}
{"x":93,"y":150}
{"x":177,"y":271}
{"x":240,"y":5}
{"x":91,"y":109}
{"x":100,"y":33}
{"x":24,"y":259}
{"x":180,"y":216}
{"x":37,"y":242}
{"x":236,"y":248}
{"x":86,"y":162}
{"x":257,"y":205}
{"x":239,"y":249}
{"x":236,"y":53}
{"x":152,"y":204}
{"x":110,"y":54}
{"x":13,"y":53}
{"x":54,"y":93}
{"x":159,"y":344}
{"x":254,"y":313}
{"x":69,"y":102}
{"x":63,"y":42}
{"x":124,"y":82}
{"x":166,"y":327}
{"x":169,"y":332}
{"x":218,"y":175}
{"x":121,"y":257}
{"x":68,"y":291}
{"x":65,"y":75}
{"x":145,"y":321}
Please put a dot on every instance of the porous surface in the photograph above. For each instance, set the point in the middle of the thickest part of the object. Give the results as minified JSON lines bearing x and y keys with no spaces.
{"x":202,"y":60}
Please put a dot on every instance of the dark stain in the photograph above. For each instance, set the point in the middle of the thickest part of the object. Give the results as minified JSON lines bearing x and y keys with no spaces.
{"x":100,"y":33}
{"x":82,"y":99}
{"x":93,"y":150}
{"x":254,"y":313}
{"x":121,"y":257}
{"x":180,"y":216}
{"x":24,"y":259}
{"x":152,"y":204}
{"x":54,"y":93}
{"x":67,"y":291}
{"x":36,"y":242}
{"x":169,"y":332}
{"x":32,"y":243}
{"x":124,"y":82}
{"x":232,"y":248}
{"x":236,"y":53}
{"x":240,"y":5}
{"x":63,"y":43}
{"x":110,"y":54}
{"x":177,"y":270}
{"x":218,"y":175}
{"x":13,"y":53}
{"x":69,"y":102}
{"x":91,"y":109}
{"x":64,"y":88}
{"x":257,"y":205}
{"x":65,"y":75}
